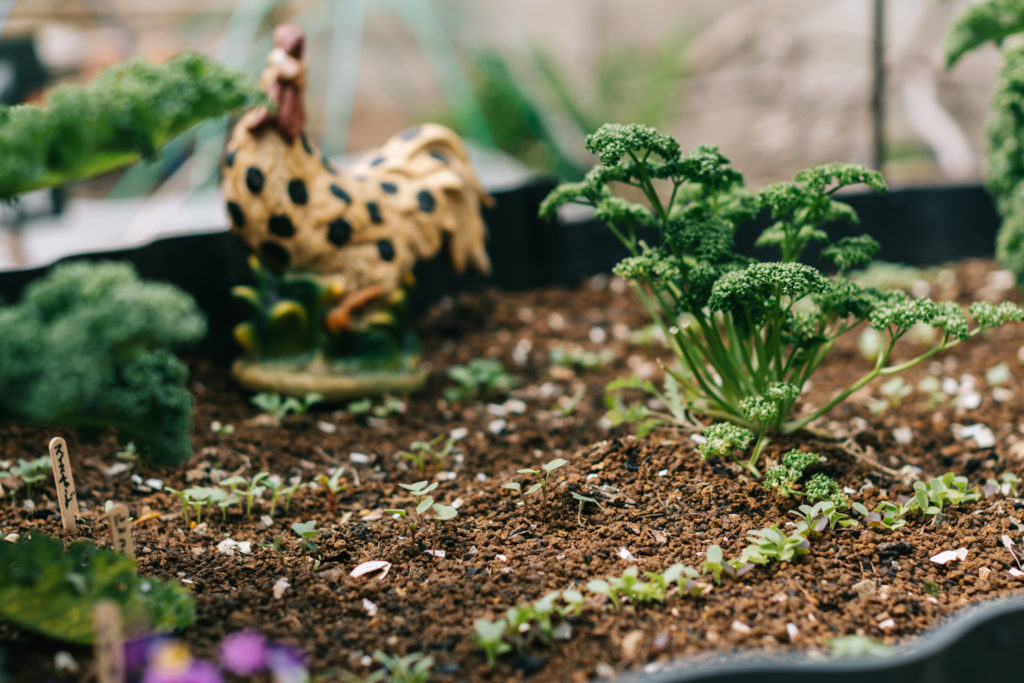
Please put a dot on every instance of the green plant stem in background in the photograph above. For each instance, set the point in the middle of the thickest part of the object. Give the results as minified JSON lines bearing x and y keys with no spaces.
{"x":748,"y":335}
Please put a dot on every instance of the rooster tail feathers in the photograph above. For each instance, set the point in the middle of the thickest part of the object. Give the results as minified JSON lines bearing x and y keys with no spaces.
{"x":448,"y":202}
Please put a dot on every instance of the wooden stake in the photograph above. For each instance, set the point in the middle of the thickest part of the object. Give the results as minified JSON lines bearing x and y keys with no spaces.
{"x":67,"y":498}
{"x":121,"y":530}
{"x":108,"y":642}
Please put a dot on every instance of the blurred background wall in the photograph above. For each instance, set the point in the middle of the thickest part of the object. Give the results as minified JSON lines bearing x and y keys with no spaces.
{"x":777,"y":84}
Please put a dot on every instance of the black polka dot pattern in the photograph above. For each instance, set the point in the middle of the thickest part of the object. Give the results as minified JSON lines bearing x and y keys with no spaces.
{"x":236,"y":213}
{"x":426,"y":201}
{"x":297,"y":192}
{"x":410,"y":133}
{"x":339,"y":232}
{"x":389,"y":188}
{"x":386,"y":250}
{"x":340,"y":194}
{"x":305,"y":143}
{"x":377,"y":161}
{"x":437,"y":155}
{"x":229,"y":158}
{"x":281,"y":226}
{"x":374,"y":211}
{"x":254,"y":180}
{"x":274,"y":255}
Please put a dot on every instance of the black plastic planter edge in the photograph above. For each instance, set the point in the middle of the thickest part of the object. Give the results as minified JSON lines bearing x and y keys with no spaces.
{"x":982,"y":644}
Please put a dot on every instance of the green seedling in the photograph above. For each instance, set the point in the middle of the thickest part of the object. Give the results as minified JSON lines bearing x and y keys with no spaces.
{"x":886,"y":514}
{"x":489,"y":637}
{"x":388,"y":406}
{"x":307,"y":531}
{"x":333,"y":484}
{"x":1006,"y":485}
{"x":278,"y":490}
{"x":247,"y":489}
{"x":771,"y":545}
{"x":424,"y":504}
{"x":198,"y":497}
{"x":751,"y":334}
{"x":949,"y":489}
{"x":542,"y":476}
{"x":222,"y":428}
{"x":932,"y":589}
{"x":576,"y":358}
{"x":412,"y":668}
{"x":129,"y":453}
{"x":814,"y":519}
{"x":583,"y":500}
{"x":480,"y":377}
{"x":278,"y":407}
{"x":422,"y":453}
{"x":714,"y":563}
{"x":29,"y":472}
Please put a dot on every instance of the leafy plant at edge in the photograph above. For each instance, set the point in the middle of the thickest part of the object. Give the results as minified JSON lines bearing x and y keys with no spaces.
{"x":748,"y":335}
{"x":52,"y":591}
{"x":424,"y":504}
{"x":996,"y":21}
{"x":479,"y":377}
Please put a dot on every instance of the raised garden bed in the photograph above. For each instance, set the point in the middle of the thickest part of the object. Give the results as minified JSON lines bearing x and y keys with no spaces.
{"x":661,"y":505}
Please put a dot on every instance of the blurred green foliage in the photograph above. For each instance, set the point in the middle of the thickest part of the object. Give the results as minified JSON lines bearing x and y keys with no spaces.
{"x":90,"y":346}
{"x":539,"y":116}
{"x":46,"y":589}
{"x":127,"y":113}
{"x":994,"y":21}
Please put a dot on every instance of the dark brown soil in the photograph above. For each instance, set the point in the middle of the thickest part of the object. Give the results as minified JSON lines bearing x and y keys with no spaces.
{"x":661,"y":505}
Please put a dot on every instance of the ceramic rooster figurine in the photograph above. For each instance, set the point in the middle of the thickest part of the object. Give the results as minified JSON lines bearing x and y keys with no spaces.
{"x":355,"y":233}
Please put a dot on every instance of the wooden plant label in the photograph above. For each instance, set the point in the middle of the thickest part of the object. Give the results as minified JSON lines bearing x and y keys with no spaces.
{"x":66,"y":496}
{"x":108,"y":642}
{"x":121,"y":530}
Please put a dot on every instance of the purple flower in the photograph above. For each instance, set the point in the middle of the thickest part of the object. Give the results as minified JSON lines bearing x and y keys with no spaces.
{"x":244,"y":653}
{"x":286,"y":664}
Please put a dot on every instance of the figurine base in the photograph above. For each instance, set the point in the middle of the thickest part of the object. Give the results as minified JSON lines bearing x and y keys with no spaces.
{"x":334,"y":384}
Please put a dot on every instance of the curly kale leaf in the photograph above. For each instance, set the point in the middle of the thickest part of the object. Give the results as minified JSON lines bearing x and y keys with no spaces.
{"x":991,"y":21}
{"x":89,"y":346}
{"x":127,"y":113}
{"x":54,"y":592}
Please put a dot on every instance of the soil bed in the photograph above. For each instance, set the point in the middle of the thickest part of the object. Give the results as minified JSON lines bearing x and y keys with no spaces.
{"x":661,"y":505}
